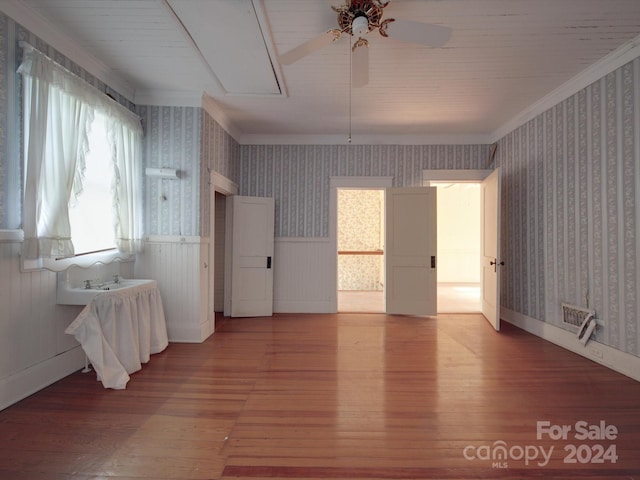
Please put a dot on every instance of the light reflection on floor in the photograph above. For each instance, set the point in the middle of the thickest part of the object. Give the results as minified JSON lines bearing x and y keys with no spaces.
{"x":452,"y":298}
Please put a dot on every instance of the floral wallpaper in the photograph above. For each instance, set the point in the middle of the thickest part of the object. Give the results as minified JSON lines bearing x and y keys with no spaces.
{"x":218,"y":153}
{"x":172,"y":140}
{"x":570,"y":216}
{"x":189,"y":140}
{"x":360,"y":228}
{"x":4,"y":68}
{"x":297,"y":176}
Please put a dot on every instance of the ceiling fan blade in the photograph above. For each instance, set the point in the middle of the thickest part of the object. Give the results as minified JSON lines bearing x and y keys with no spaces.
{"x":360,"y":63}
{"x":310,"y":46}
{"x":426,"y":34}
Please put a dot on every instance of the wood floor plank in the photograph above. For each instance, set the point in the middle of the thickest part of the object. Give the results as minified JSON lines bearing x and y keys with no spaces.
{"x":333,"y":396}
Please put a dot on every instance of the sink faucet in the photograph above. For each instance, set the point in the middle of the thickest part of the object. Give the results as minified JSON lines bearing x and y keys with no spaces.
{"x":116,"y":278}
{"x":87,"y":284}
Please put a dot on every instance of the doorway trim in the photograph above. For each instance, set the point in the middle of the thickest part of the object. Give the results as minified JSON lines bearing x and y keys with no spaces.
{"x":365,"y":183}
{"x":221,"y":184}
{"x":453,"y":176}
{"x":433,"y":177}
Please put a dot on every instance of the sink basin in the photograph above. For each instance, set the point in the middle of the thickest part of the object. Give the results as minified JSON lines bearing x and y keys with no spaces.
{"x":69,"y":295}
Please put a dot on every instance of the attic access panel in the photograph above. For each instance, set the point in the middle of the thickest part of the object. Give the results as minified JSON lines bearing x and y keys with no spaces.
{"x":228,"y":35}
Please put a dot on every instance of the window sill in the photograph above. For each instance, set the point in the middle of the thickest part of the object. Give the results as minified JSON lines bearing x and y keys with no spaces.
{"x":109,"y":256}
{"x":11,"y":236}
{"x":83,"y":261}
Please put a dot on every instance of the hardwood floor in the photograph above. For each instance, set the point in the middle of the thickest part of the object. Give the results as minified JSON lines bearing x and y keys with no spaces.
{"x":452,"y":298}
{"x":334,"y":396}
{"x":360,"y":301}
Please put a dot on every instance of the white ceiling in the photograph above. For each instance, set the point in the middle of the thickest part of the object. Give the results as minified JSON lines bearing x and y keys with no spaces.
{"x":503,"y":57}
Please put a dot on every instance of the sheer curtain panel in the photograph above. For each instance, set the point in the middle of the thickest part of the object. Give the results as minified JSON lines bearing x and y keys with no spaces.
{"x":125,"y":143}
{"x":55,"y":129}
{"x":59,"y":108}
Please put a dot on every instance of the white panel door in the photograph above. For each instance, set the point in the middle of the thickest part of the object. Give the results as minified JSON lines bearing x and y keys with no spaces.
{"x":490,"y":248}
{"x":410,"y":251}
{"x":250,"y":233}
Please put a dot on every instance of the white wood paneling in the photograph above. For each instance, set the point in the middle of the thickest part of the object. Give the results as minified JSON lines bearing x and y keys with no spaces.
{"x":205,"y":312}
{"x":503,"y":57}
{"x":303,"y":268}
{"x":34,"y":350}
{"x":174,"y":262}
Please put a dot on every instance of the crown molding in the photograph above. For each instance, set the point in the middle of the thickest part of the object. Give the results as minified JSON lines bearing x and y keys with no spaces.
{"x":609,"y":63}
{"x":426,"y":139}
{"x":213,"y":109}
{"x":168,"y":98}
{"x":42,"y":28}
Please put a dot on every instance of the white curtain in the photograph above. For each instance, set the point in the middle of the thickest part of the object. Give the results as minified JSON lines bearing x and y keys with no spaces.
{"x":125,"y":144}
{"x":58,"y":110}
{"x":56,"y":127}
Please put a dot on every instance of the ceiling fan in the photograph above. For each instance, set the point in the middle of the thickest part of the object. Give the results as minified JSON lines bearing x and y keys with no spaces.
{"x":359,"y":17}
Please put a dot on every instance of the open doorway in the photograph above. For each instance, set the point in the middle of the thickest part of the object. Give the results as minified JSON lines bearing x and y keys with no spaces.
{"x":430,"y":178}
{"x":459,"y":264}
{"x":220,"y":205}
{"x":221,"y":187}
{"x":360,"y":237}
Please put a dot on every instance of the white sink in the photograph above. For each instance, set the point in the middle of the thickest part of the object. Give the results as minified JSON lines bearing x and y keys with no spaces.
{"x":70,"y":295}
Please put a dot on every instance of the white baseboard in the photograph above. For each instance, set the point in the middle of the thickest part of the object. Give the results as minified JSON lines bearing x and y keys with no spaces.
{"x":612,"y":358}
{"x":181,"y":239}
{"x":206,"y":329}
{"x":187,"y":334}
{"x":312,"y":306}
{"x":29,"y":381}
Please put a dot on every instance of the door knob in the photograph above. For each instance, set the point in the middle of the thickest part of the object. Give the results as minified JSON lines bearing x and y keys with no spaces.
{"x":494,"y":264}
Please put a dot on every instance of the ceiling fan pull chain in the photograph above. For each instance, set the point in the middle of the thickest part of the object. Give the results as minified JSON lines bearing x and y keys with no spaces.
{"x":350,"y":84}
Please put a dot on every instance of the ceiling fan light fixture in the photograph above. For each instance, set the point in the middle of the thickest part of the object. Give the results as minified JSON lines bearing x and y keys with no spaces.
{"x":361,"y":42}
{"x":360,"y":25}
{"x":357,"y":18}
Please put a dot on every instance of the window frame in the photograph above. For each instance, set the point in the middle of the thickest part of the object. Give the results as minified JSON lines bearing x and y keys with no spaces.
{"x":127,"y":127}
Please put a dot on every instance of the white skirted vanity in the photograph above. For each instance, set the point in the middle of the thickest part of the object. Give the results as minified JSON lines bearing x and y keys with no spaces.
{"x":120,"y":327}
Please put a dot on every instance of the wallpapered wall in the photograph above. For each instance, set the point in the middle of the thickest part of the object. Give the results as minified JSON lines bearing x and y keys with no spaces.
{"x":219,"y":153}
{"x":185,"y":138}
{"x":571,"y":181}
{"x":189,"y":140}
{"x":297,"y":176}
{"x":172,"y":140}
{"x":4,"y":69}
{"x":10,"y":97}
{"x":360,"y":224}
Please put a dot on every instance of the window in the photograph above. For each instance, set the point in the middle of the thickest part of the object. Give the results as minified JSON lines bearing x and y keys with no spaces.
{"x":83,"y":173}
{"x":91,"y":212}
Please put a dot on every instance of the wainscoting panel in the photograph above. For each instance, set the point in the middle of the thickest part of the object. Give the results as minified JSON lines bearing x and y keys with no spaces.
{"x":302,"y":274}
{"x":34,"y":350}
{"x":174,"y":262}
